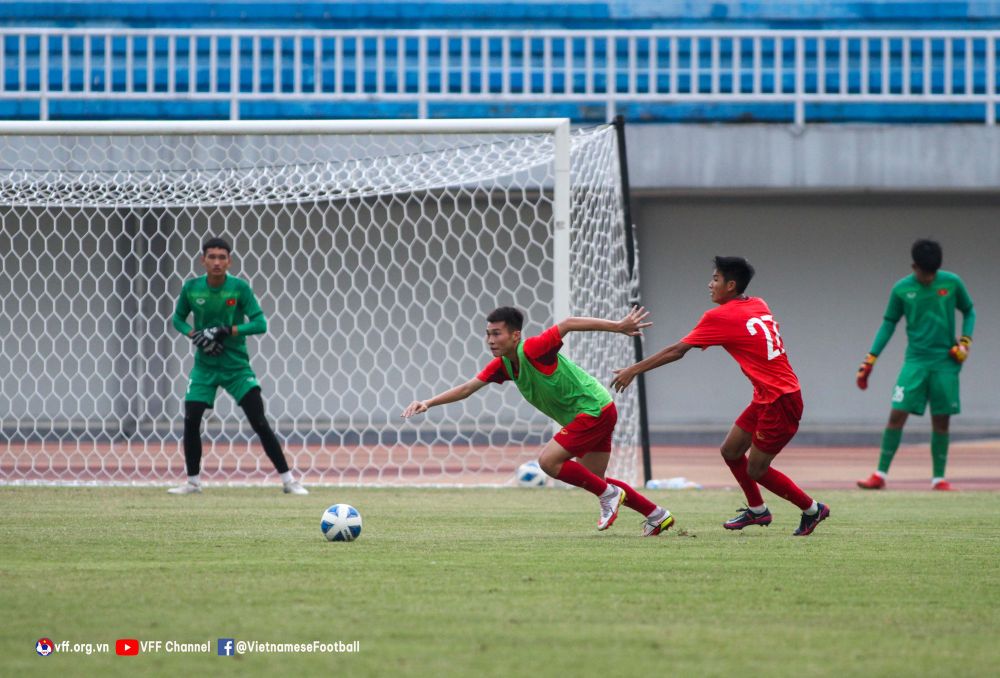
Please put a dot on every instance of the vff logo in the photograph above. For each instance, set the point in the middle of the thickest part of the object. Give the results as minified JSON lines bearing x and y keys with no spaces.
{"x":227,"y":647}
{"x":44,"y":647}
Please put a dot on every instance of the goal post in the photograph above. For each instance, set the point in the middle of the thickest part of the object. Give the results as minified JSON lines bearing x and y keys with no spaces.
{"x":376,"y":248}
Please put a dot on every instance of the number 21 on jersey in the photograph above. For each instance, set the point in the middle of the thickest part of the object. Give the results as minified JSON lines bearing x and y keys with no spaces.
{"x":770,"y":329}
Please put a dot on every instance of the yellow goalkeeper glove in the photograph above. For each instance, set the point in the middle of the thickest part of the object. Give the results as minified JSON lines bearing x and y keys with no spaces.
{"x":960,"y":351}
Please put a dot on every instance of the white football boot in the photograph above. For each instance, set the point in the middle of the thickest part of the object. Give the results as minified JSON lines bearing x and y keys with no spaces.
{"x":294,"y":487}
{"x":610,"y":506}
{"x":186,"y":488}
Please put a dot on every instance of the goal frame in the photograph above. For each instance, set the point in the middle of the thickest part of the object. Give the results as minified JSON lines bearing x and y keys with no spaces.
{"x":562,"y":191}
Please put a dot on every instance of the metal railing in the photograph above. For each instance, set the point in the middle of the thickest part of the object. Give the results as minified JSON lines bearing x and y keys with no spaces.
{"x":425,"y":67}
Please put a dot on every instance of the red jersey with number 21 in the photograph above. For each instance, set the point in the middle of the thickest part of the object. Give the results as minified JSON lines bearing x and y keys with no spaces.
{"x":749,"y":333}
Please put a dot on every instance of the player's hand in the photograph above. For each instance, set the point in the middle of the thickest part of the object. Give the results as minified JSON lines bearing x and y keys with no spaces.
{"x":216,"y":334}
{"x":866,"y":368}
{"x":416,"y":407}
{"x":215,"y":348}
{"x":632,"y":324}
{"x":203,"y":338}
{"x":623,"y":378}
{"x":198,"y":340}
{"x":960,"y":351}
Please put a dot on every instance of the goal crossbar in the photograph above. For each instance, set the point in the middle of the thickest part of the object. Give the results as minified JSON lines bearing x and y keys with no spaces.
{"x":285,"y":127}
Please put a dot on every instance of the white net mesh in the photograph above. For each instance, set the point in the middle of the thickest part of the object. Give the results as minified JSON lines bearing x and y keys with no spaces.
{"x":375,"y":259}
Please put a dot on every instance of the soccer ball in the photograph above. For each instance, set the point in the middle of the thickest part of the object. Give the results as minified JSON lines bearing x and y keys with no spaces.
{"x":341,"y":522}
{"x":530,"y":474}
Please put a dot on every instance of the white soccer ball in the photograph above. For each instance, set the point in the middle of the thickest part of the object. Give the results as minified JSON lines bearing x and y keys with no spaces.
{"x":530,"y":474}
{"x":341,"y":522}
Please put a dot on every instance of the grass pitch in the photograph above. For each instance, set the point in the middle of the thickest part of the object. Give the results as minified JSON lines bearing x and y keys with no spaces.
{"x":499,"y":582}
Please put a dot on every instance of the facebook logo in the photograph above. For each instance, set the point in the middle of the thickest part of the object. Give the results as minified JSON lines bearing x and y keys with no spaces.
{"x":227,"y":647}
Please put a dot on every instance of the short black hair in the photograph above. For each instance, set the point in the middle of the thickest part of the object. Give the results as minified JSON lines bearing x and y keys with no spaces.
{"x":216,"y":243}
{"x":927,"y":255}
{"x":509,"y":315}
{"x":736,"y":269}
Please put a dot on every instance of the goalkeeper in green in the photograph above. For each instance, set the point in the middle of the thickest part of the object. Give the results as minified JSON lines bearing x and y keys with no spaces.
{"x":928,"y":298}
{"x":225,"y":311}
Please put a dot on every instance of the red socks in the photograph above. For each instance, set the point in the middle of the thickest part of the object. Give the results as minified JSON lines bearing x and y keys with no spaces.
{"x":575,"y":473}
{"x":774,"y":480}
{"x":783,"y":486}
{"x":750,"y":489}
{"x":633,"y":499}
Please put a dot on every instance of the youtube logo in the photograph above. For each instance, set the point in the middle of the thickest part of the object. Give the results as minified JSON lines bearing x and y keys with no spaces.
{"x":126,"y":647}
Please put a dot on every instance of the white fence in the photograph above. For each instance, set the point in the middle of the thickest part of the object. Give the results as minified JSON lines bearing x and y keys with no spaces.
{"x":425,"y":67}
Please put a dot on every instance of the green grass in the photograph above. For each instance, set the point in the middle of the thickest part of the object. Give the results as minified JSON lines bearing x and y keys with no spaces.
{"x":502,"y":583}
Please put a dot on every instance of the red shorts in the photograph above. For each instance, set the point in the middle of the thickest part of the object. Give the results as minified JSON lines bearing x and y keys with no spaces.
{"x":587,"y":433}
{"x":772,"y":425}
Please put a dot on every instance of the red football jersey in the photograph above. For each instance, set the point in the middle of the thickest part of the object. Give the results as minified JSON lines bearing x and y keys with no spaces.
{"x":542,"y":351}
{"x":748,"y":331}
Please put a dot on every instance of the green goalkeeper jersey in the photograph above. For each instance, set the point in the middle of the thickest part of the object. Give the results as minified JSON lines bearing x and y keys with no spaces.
{"x":232,"y":304}
{"x":930,"y":316}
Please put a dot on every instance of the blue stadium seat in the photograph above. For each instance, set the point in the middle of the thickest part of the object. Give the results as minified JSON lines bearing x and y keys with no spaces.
{"x":536,"y":14}
{"x":533,"y":14}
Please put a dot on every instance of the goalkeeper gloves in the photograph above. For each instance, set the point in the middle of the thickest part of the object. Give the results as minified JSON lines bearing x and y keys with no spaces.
{"x":203,"y":338}
{"x":866,"y":368}
{"x":960,"y":351}
{"x":199,"y":340}
{"x":215,"y":348}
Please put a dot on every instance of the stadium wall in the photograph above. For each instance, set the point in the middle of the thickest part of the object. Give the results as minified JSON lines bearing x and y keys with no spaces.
{"x":827,"y":215}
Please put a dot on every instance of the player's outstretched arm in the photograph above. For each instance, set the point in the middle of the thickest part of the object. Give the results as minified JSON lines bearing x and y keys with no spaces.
{"x":632,"y":324}
{"x":668,"y":355}
{"x":452,"y":395}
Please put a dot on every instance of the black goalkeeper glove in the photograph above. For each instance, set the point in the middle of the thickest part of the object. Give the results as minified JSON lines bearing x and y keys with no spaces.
{"x":203,"y":338}
{"x":198,"y":340}
{"x":215,"y":348}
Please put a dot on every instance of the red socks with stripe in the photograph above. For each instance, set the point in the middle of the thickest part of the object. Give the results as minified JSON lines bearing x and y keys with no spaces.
{"x":749,"y":486}
{"x":575,"y":473}
{"x":633,"y":499}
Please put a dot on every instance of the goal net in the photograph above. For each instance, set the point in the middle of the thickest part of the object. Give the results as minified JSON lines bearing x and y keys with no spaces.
{"x":375,"y":249}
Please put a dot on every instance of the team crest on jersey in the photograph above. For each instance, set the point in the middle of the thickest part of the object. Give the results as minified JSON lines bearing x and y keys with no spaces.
{"x":230,"y":302}
{"x":942,"y":293}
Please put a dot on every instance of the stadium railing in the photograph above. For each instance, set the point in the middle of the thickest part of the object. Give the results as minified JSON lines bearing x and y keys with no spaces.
{"x":442,"y":73}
